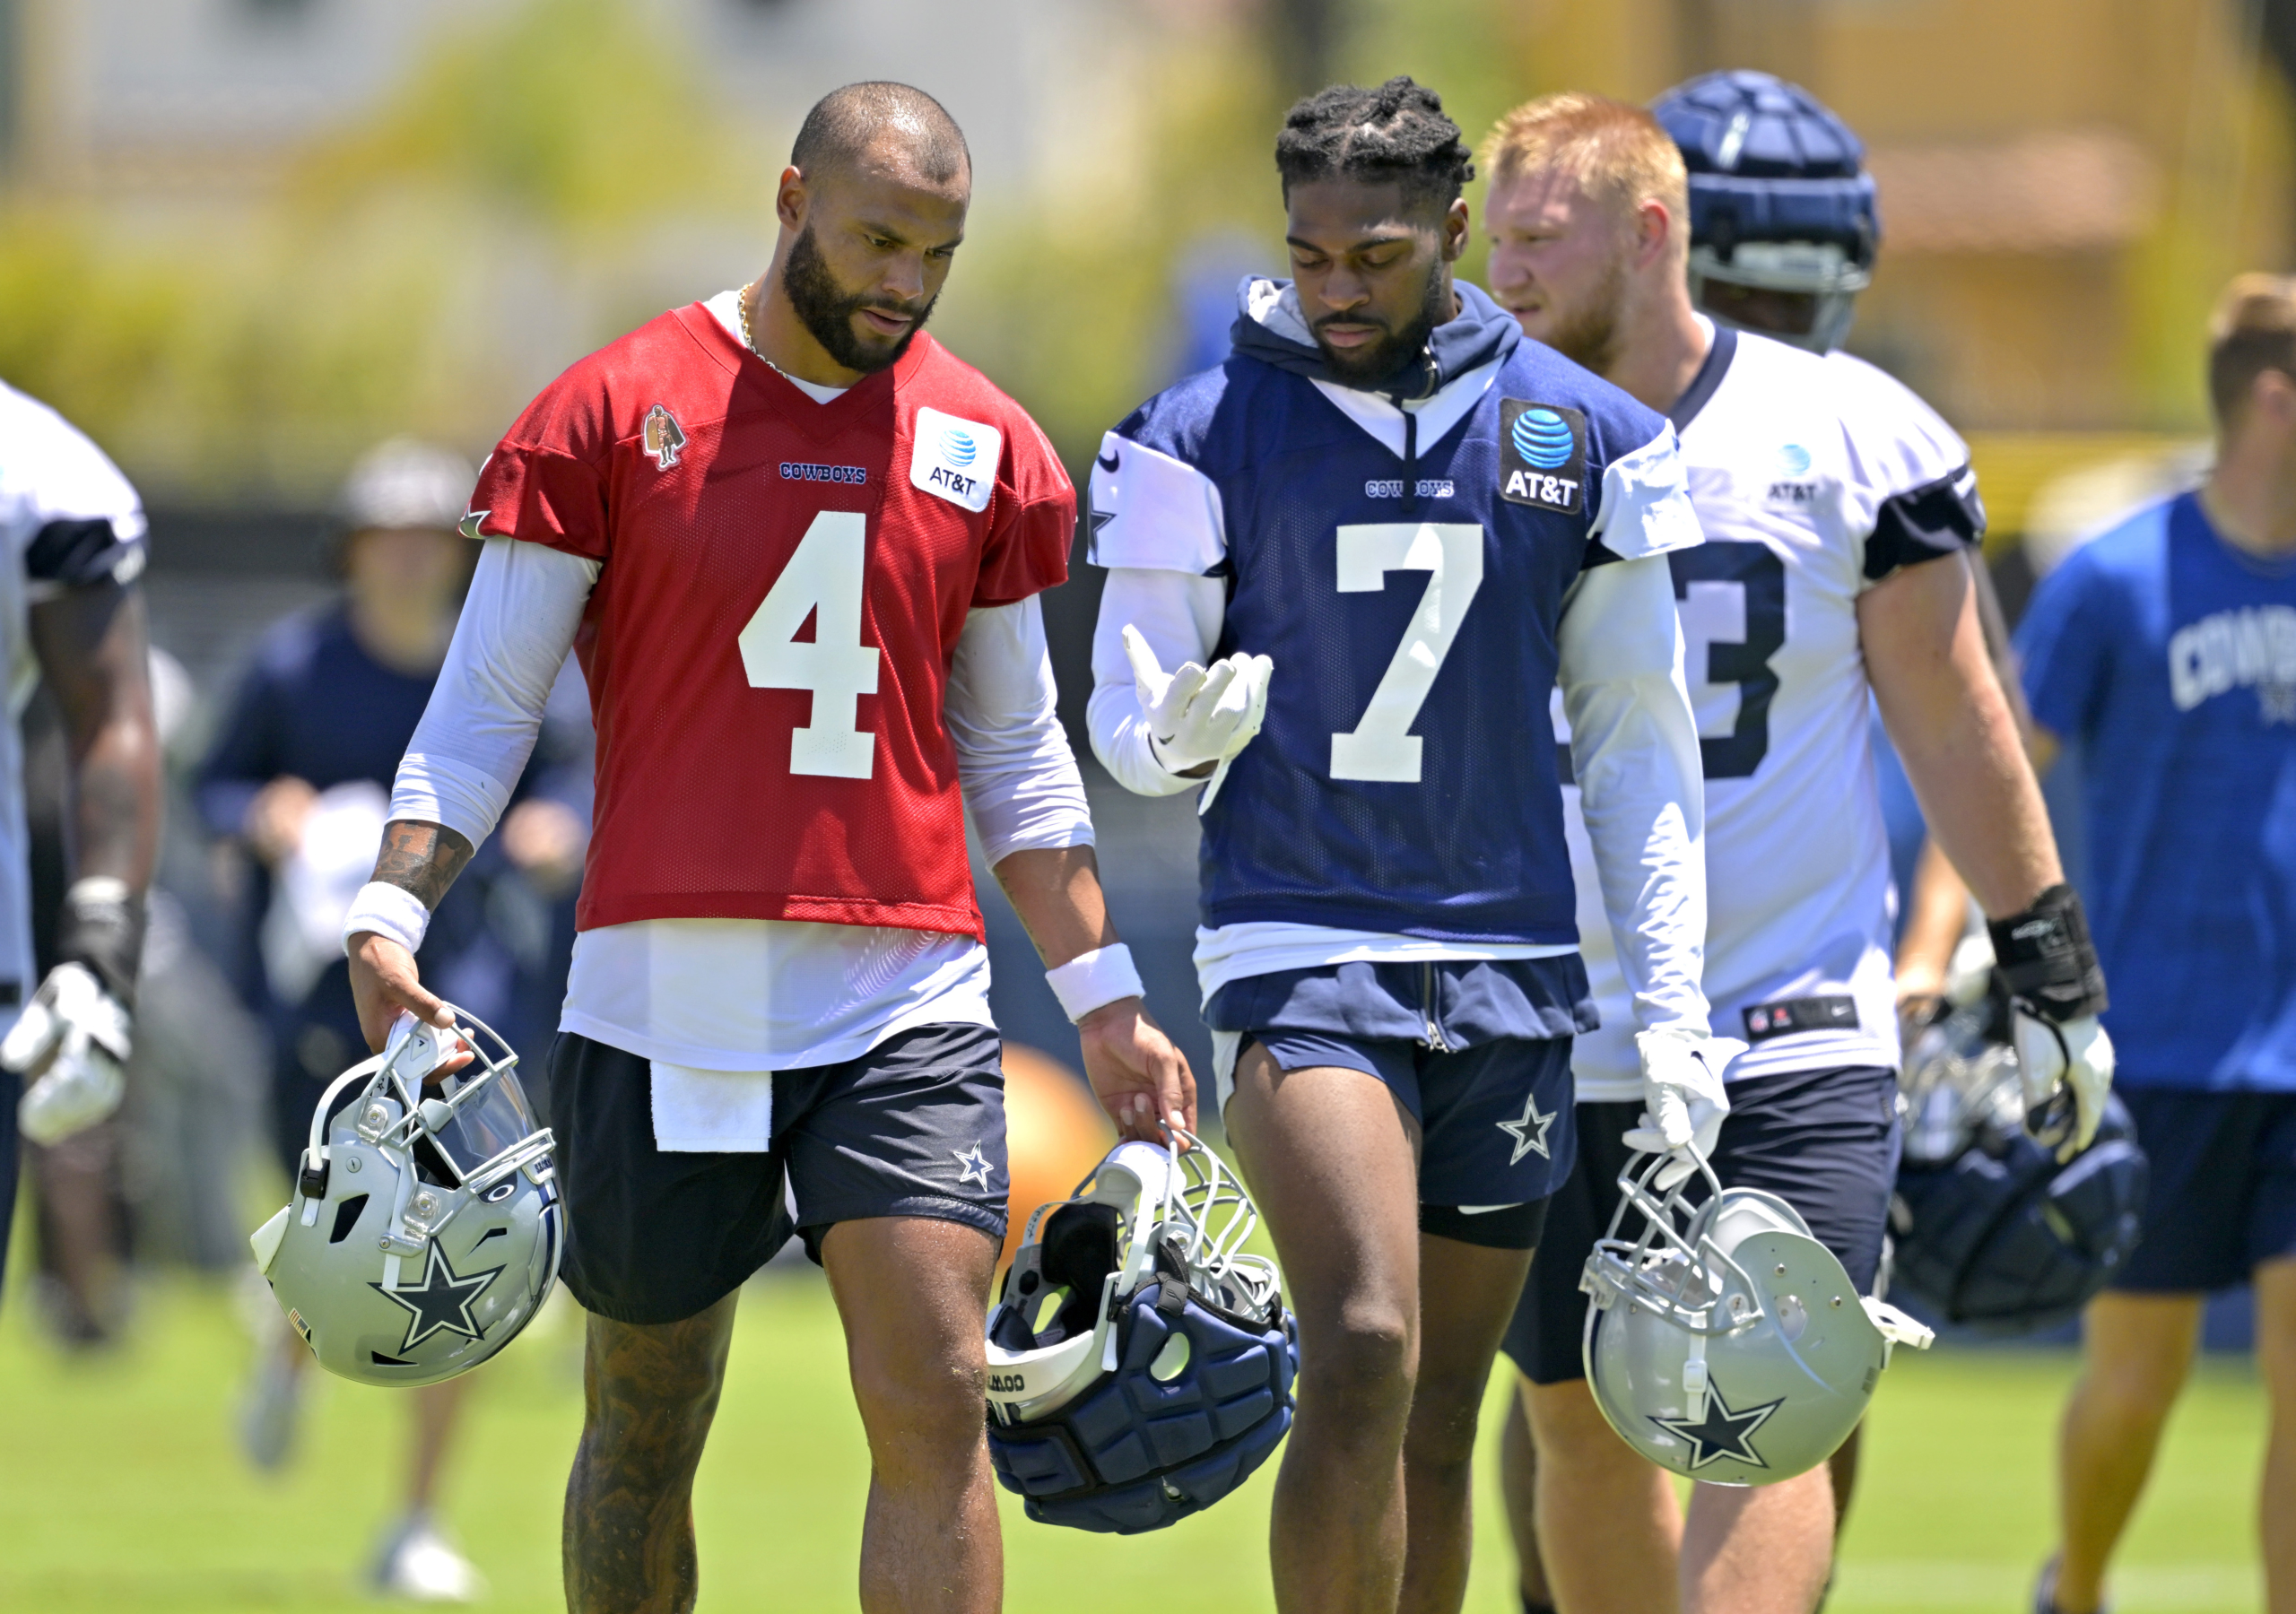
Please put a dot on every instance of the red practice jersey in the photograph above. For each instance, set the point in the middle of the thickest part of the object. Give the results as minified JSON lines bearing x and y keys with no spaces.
{"x":782,"y":589}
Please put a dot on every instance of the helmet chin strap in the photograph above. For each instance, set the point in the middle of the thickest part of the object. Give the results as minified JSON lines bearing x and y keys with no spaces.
{"x":1694,"y":1379}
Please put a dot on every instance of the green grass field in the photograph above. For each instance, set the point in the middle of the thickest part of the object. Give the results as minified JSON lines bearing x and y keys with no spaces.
{"x":121,"y":1490}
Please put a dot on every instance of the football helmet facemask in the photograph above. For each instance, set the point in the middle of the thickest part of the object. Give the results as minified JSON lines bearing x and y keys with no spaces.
{"x":1140,"y":1365}
{"x":1724,"y":1342}
{"x":425,"y":1228}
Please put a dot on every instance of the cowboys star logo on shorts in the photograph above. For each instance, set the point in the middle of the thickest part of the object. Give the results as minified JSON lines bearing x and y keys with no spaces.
{"x":1529,"y":1133}
{"x":972,"y":1166}
{"x":442,"y":1304}
{"x":1721,"y":1433}
{"x":664,"y":436}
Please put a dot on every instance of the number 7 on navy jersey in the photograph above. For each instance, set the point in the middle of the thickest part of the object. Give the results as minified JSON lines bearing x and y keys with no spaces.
{"x":1381,"y":746}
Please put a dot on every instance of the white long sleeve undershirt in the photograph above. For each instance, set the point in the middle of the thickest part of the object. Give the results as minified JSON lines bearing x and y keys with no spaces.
{"x":1635,"y":751}
{"x":742,"y":995}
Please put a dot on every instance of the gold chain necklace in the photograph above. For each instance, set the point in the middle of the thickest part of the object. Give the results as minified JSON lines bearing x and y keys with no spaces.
{"x":741,"y":302}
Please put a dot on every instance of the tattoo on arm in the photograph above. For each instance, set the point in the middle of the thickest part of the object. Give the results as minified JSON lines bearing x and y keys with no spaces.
{"x":422,"y":858}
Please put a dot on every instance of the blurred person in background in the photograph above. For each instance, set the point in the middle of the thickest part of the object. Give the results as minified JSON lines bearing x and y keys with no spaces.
{"x":69,"y":604}
{"x":299,"y":775}
{"x":1840,"y":515}
{"x":87,"y":1189}
{"x":2164,"y":651}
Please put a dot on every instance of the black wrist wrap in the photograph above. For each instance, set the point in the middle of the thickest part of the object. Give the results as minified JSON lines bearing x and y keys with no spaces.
{"x":102,"y":927}
{"x":2047,"y":960}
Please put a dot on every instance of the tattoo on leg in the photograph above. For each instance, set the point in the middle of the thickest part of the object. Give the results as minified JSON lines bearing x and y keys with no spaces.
{"x":422,"y":858}
{"x":648,"y":1394}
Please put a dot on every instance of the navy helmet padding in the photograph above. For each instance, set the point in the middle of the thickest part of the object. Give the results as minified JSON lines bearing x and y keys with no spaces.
{"x":1769,"y":162}
{"x":2005,"y":1239}
{"x":1134,"y":1455}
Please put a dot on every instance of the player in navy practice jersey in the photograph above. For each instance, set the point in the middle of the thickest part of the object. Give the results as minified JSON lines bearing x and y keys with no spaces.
{"x":1838,"y":510}
{"x":1370,"y":543}
{"x":2165,"y":652}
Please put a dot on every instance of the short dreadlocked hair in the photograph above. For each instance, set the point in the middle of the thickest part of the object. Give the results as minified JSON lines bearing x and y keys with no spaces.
{"x":1395,"y":134}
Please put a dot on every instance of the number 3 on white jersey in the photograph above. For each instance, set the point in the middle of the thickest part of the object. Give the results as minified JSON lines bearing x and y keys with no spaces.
{"x":1382,"y":746}
{"x":824,"y":576}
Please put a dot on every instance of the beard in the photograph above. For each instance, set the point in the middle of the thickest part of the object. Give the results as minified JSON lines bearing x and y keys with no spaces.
{"x":1367,"y":365}
{"x":826,"y":310}
{"x":1588,"y":334}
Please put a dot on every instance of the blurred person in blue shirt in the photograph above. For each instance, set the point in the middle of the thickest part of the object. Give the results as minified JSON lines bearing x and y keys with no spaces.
{"x":2166,"y":650}
{"x":300,"y":774}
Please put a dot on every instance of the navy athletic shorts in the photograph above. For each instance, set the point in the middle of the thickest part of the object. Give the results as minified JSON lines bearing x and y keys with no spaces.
{"x":2224,"y":1194}
{"x":914,"y":1127}
{"x":1824,"y":1142}
{"x":1479,"y":1054}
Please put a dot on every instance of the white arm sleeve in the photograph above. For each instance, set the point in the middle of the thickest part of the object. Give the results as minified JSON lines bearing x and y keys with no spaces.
{"x":1634,"y":749}
{"x":1020,"y":778}
{"x":1646,"y":509}
{"x":517,"y":624}
{"x":1180,"y":616}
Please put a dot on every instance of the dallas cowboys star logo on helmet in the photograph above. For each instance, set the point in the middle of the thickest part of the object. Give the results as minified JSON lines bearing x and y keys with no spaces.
{"x":1529,"y":1133}
{"x":442,"y":1304}
{"x":973,"y":1165}
{"x":1721,"y":1433}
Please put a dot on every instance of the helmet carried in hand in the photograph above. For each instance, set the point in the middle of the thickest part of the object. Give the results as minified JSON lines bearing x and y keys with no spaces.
{"x":1724,"y":1342}
{"x":1989,"y":1230}
{"x":426,"y":1228}
{"x":1140,"y":1365}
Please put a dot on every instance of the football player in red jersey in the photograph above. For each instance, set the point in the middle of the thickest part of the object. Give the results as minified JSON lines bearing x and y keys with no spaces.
{"x":797,"y":544}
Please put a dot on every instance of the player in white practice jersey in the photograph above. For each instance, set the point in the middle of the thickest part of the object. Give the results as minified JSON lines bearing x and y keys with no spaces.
{"x":1837,"y":508}
{"x":71,"y":538}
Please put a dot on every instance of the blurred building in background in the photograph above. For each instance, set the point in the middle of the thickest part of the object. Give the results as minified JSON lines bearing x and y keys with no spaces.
{"x":243,"y":237}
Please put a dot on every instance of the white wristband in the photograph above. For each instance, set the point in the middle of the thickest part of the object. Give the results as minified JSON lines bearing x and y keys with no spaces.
{"x":1094,"y":980}
{"x":387,"y":910}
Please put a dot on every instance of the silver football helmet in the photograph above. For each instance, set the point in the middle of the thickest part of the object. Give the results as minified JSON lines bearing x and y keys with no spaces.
{"x":426,"y":1228}
{"x":1724,"y":1342}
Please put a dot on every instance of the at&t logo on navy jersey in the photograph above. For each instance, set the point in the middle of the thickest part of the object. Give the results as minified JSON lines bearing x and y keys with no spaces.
{"x":1541,"y":455}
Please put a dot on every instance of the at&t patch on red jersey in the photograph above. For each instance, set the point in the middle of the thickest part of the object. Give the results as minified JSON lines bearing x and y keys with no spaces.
{"x":955,"y":459}
{"x":782,"y":584}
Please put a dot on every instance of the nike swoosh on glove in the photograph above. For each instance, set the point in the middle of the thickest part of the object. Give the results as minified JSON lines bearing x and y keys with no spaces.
{"x":1683,"y":1096}
{"x":1198,"y":714}
{"x":74,"y":1035}
{"x":2067,"y":1071}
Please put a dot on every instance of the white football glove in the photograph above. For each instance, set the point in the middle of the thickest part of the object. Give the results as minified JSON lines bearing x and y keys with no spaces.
{"x":1198,"y":714}
{"x":73,"y":1037}
{"x":2067,"y":1071}
{"x":1683,"y":1096}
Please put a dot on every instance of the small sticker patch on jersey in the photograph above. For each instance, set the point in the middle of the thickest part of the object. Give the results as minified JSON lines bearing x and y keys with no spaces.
{"x":955,"y":459}
{"x":468,"y":525}
{"x":664,"y":436}
{"x":1541,"y":455}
